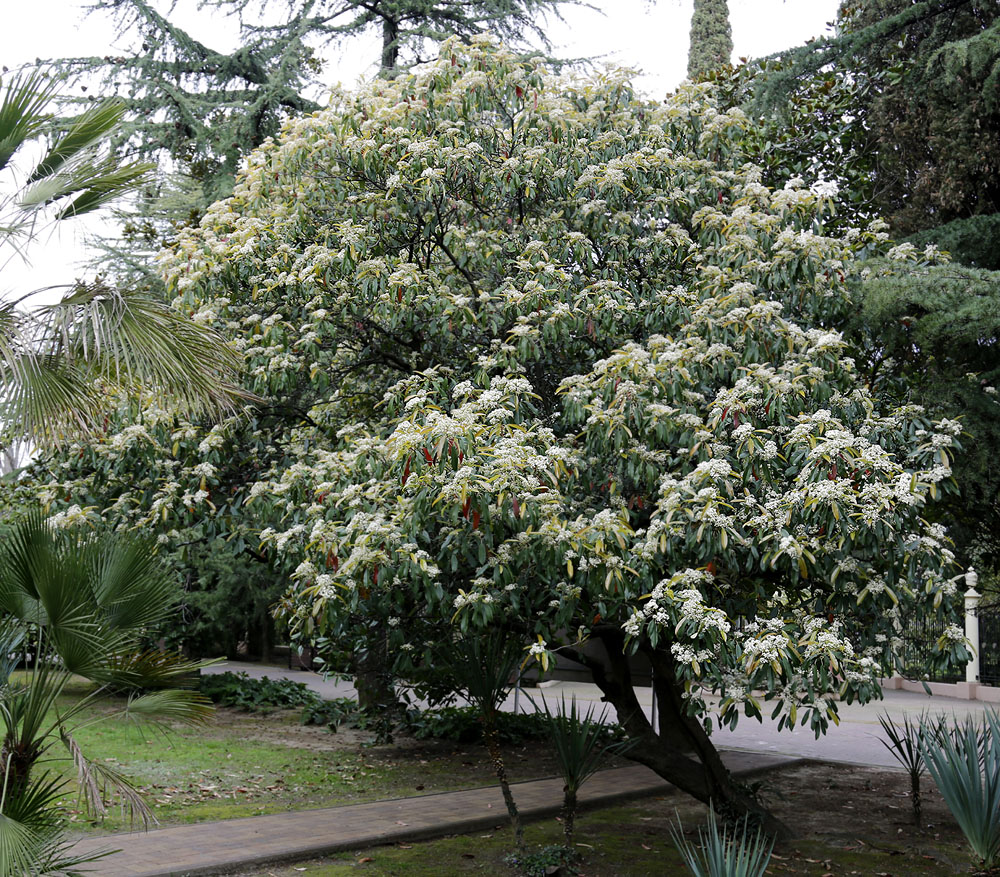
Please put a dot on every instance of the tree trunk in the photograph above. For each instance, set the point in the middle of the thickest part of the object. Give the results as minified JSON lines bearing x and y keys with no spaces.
{"x":681,"y":752}
{"x":372,"y":679}
{"x":569,"y":814}
{"x":390,"y":47}
{"x":492,"y":739}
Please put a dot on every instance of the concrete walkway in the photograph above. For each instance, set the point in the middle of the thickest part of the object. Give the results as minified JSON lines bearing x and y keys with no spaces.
{"x":216,"y":847}
{"x":856,"y":740}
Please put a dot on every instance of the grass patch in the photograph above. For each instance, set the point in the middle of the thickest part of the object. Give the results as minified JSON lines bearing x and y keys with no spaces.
{"x":245,"y":764}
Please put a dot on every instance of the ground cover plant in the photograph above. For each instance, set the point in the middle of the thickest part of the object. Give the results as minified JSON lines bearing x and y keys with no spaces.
{"x":257,"y":695}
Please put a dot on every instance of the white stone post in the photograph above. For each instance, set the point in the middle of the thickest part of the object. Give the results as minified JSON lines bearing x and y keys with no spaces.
{"x":972,"y":598}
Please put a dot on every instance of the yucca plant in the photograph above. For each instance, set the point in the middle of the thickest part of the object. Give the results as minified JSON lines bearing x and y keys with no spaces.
{"x":964,"y":761}
{"x":483,"y":669}
{"x":579,"y":741}
{"x":904,"y":741}
{"x":724,"y":851}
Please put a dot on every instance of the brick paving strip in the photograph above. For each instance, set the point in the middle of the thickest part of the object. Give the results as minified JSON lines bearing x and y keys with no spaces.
{"x":217,"y":847}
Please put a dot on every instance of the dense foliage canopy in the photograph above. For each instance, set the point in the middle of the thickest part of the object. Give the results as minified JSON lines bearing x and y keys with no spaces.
{"x":930,"y":77}
{"x":560,"y":366}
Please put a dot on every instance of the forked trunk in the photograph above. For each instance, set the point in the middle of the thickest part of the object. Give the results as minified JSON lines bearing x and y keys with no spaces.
{"x":681,"y":752}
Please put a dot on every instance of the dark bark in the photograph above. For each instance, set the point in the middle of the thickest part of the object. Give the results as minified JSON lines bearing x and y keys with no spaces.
{"x":569,"y":815}
{"x":681,"y":751}
{"x":374,"y":681}
{"x":492,"y":740}
{"x":390,"y":46}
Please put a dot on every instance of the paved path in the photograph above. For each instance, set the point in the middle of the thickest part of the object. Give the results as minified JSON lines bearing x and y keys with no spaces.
{"x":856,"y":740}
{"x":215,"y":847}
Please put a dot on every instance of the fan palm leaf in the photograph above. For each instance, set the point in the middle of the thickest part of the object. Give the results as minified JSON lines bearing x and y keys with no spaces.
{"x":60,"y":363}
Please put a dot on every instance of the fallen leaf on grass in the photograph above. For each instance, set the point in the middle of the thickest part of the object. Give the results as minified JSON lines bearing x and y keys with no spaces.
{"x":365,"y":859}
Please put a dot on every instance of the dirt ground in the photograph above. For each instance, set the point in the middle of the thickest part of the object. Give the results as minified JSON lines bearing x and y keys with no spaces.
{"x":846,"y":821}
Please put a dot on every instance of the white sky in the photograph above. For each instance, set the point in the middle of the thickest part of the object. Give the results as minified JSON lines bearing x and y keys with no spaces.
{"x":648,"y":35}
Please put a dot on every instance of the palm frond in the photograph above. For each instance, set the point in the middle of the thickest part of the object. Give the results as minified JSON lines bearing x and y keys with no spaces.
{"x":22,"y":112}
{"x":143,"y":670}
{"x":98,"y":783}
{"x":130,"y":339}
{"x":170,"y":705}
{"x":131,"y":587}
{"x":18,"y":846}
{"x":32,"y":822}
{"x":82,"y":134}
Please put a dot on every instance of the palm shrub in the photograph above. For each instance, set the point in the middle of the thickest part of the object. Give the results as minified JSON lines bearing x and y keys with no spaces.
{"x":579,"y":741}
{"x":86,"y":601}
{"x":964,"y":761}
{"x":905,"y":743}
{"x":55,"y":358}
{"x":483,"y":669}
{"x":724,"y":851}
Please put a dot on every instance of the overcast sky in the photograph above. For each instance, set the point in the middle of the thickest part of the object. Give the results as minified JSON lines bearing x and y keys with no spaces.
{"x":648,"y":35}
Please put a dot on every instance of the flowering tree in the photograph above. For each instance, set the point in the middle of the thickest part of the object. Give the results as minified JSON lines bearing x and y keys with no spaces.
{"x":565,"y":368}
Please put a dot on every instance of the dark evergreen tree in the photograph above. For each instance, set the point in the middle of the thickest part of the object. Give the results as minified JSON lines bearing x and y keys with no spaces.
{"x":711,"y":37}
{"x":204,"y":108}
{"x":931,"y":337}
{"x":931,"y":108}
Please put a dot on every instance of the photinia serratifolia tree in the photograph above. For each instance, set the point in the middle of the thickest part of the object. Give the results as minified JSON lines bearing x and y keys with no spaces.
{"x":571,"y":373}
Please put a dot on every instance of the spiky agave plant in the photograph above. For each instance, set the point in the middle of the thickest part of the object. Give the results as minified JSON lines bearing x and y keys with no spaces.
{"x":724,"y":851}
{"x":964,"y":761}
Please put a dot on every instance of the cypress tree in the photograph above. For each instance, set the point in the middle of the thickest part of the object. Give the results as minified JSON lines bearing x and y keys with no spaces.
{"x":711,"y":37}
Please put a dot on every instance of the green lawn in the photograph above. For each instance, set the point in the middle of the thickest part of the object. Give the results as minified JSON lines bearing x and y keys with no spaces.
{"x":245,"y":765}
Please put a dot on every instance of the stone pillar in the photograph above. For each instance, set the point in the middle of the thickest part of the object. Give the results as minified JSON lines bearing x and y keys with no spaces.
{"x":972,"y":598}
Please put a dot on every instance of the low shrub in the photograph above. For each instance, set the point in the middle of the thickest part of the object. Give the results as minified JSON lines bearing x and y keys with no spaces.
{"x":264,"y":695}
{"x":462,"y":724}
{"x":543,"y":861}
{"x":333,"y":713}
